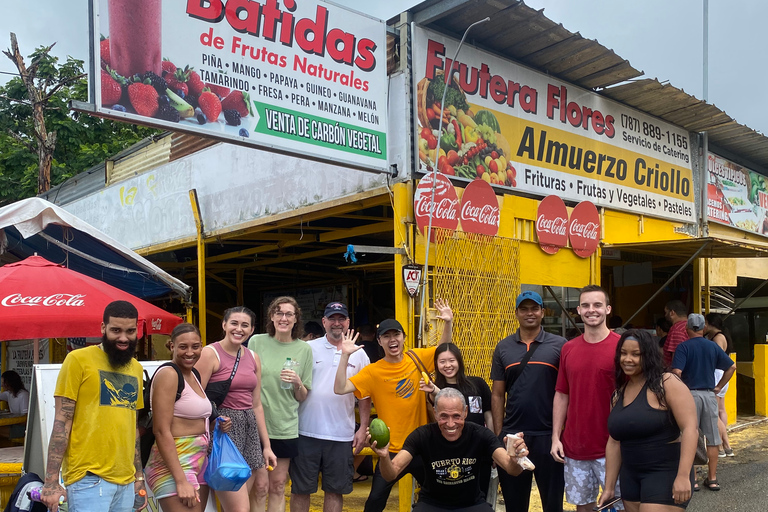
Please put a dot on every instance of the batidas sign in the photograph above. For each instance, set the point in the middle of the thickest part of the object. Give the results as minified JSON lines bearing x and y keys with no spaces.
{"x":523,"y":130}
{"x":301,"y":76}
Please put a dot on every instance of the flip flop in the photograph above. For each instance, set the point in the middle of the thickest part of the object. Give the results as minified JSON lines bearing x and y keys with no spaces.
{"x":712,"y":485}
{"x":361,"y":478}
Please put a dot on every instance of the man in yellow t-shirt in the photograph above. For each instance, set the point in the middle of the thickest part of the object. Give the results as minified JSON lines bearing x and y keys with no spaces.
{"x":94,"y":439}
{"x":393,"y":385}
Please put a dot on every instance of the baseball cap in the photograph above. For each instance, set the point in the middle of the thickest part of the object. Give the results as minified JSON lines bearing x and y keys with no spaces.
{"x":528,"y":295}
{"x":390,"y":324}
{"x":334,"y":308}
{"x":696,"y":322}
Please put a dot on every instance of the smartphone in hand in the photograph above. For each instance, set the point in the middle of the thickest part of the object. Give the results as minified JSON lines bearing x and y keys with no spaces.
{"x":608,"y":504}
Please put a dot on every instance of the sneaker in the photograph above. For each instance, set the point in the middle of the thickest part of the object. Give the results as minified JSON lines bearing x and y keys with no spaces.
{"x":721,"y":454}
{"x":729,"y":453}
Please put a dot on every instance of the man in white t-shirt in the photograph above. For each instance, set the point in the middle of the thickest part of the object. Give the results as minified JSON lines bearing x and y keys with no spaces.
{"x":327,"y":437}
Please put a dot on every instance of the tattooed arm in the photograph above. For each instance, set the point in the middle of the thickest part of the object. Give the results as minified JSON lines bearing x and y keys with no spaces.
{"x":62,"y":426}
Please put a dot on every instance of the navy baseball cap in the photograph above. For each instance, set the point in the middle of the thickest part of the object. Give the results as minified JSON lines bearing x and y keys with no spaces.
{"x":334,"y":308}
{"x":390,"y":324}
{"x":528,"y":295}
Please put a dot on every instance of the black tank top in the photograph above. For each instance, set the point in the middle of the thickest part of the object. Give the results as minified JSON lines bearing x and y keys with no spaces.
{"x":639,"y":423}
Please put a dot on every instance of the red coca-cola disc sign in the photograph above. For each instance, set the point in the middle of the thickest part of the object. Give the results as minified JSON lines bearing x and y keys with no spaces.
{"x":552,"y":224}
{"x":584,"y":229}
{"x":445,"y":207}
{"x":479,"y":209}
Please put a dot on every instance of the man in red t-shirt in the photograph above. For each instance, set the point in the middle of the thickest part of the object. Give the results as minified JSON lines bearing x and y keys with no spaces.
{"x":677,"y":313}
{"x":582,"y":403}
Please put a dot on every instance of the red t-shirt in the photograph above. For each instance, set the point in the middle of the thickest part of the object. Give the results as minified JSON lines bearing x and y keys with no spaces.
{"x":587,"y":376}
{"x":676,"y":335}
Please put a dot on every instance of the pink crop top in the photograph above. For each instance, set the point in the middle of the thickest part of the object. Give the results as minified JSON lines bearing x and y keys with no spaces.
{"x":190,"y":405}
{"x":240,"y":395}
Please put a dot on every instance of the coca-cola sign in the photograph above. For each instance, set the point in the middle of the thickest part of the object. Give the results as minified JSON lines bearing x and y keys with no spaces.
{"x":584,"y":229}
{"x":444,"y":208}
{"x":57,"y":299}
{"x":552,"y":224}
{"x":480,"y":209}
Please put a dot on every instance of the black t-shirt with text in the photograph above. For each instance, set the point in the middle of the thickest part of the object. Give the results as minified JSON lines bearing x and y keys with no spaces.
{"x":451,"y":467}
{"x":478,"y":401}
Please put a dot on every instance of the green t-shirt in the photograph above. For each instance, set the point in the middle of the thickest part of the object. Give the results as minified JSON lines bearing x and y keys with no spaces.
{"x":281,"y":409}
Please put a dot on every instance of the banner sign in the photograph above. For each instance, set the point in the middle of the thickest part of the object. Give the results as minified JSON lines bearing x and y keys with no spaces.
{"x":301,"y":76}
{"x":525,"y":131}
{"x":736,"y":196}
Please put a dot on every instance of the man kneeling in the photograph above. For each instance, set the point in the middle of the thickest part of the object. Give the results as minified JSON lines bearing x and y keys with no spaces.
{"x":451,"y":452}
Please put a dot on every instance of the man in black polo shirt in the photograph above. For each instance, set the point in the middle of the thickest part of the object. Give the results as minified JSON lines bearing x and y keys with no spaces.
{"x":524,"y":373}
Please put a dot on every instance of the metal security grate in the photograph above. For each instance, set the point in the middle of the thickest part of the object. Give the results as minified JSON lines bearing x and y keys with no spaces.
{"x":479,"y":275}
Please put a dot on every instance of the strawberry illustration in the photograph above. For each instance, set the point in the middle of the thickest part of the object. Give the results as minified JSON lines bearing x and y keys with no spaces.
{"x":220,"y":90}
{"x":237,"y":100}
{"x":178,"y":81}
{"x":196,"y":85}
{"x":143,"y":98}
{"x":104,"y":49}
{"x":210,"y":105}
{"x":168,"y":67}
{"x":111,"y":91}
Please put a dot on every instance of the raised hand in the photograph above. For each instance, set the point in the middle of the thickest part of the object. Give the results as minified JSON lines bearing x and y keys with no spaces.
{"x":348,"y":346}
{"x":444,"y":310}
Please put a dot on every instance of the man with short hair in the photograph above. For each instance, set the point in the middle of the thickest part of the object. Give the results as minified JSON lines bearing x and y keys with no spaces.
{"x":582,"y":401}
{"x":695,"y":362}
{"x":451,"y":452}
{"x":393,"y":384}
{"x":95,"y":440}
{"x":327,"y":437}
{"x":312,"y":331}
{"x":524,"y":374}
{"x":676,"y":312}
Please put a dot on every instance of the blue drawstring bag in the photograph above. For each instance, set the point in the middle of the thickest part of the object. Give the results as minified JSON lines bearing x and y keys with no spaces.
{"x":227,"y":469}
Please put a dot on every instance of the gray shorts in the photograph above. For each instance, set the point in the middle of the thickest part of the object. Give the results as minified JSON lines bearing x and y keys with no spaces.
{"x":707,"y":413}
{"x":334,"y":459}
{"x":583,"y":480}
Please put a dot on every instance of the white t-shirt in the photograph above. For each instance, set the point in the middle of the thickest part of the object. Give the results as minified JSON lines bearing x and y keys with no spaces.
{"x":18,"y":404}
{"x":324,"y":414}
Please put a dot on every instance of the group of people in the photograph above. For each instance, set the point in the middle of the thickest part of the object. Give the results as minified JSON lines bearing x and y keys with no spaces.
{"x":599,"y":411}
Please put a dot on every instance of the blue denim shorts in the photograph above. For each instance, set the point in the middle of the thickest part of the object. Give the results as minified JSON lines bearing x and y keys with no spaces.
{"x":94,"y":494}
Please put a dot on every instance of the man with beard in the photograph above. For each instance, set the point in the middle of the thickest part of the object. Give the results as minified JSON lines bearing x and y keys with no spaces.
{"x":94,"y":438}
{"x":327,"y":437}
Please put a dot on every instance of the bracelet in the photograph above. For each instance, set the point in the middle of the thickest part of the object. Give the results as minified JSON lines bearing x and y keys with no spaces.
{"x":140,"y":478}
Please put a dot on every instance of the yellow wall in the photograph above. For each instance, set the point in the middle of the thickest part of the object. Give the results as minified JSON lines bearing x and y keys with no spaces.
{"x":760,"y":371}
{"x":628,"y":228}
{"x":730,"y":397}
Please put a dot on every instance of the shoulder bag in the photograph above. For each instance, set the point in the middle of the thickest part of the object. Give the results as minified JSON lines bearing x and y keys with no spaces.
{"x":217,"y":391}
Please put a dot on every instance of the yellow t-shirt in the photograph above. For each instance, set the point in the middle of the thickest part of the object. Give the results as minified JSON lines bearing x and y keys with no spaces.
{"x":394,"y":389}
{"x":103,"y":437}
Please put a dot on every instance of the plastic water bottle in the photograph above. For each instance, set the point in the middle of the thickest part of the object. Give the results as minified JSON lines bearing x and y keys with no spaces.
{"x":288,"y":365}
{"x":34,"y":495}
{"x":139,"y":499}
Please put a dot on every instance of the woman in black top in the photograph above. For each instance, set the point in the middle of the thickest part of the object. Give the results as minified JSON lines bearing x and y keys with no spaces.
{"x":651,"y":409}
{"x":713,"y":330}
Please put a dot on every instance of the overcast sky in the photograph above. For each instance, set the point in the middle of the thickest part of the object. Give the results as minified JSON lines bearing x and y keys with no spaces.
{"x":663,"y":38}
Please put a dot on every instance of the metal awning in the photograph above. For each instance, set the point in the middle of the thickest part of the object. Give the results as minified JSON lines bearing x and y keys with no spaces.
{"x":716,"y":247}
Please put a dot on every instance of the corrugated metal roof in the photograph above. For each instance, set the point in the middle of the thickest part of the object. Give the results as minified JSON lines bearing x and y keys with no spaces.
{"x":183,"y":144}
{"x":136,"y":162}
{"x":523,"y":34}
{"x":80,"y":185}
{"x":678,"y":107}
{"x":526,"y":35}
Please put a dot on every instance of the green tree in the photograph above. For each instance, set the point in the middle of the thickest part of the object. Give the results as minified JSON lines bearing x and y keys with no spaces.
{"x":42,"y":141}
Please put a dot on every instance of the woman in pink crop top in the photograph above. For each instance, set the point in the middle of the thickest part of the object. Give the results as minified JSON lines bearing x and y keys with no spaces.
{"x":242,"y":403}
{"x":179,"y":456}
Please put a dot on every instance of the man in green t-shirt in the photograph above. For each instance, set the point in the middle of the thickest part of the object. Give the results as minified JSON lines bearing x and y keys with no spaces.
{"x":94,"y":439}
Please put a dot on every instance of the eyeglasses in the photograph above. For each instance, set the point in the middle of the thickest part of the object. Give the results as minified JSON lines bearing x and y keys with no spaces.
{"x":286,"y":314}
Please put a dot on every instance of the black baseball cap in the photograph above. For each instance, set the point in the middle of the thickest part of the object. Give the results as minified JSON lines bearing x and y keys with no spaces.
{"x":334,"y":308}
{"x":390,"y":324}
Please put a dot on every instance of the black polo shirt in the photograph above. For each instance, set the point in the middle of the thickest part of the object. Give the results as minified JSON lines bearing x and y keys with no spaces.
{"x":529,"y":406}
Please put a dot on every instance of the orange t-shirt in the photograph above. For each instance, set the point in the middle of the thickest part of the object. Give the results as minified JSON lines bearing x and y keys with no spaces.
{"x":394,"y":390}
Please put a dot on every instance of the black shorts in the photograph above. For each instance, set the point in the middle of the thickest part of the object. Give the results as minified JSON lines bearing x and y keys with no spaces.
{"x":648,"y":473}
{"x":285,"y":448}
{"x":334,"y":459}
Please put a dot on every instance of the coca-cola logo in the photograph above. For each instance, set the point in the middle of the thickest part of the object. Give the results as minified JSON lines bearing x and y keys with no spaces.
{"x":480,"y":211}
{"x":552,"y":224}
{"x":584,"y":229}
{"x":444,"y":209}
{"x":58,"y":299}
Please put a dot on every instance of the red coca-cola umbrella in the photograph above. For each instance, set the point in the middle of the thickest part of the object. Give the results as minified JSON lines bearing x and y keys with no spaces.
{"x":40,"y":299}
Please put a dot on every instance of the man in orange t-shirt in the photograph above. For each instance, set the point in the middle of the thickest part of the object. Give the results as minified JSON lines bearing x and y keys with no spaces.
{"x":393,"y":384}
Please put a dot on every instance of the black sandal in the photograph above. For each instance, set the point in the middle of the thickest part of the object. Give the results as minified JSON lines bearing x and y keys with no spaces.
{"x":712,"y":485}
